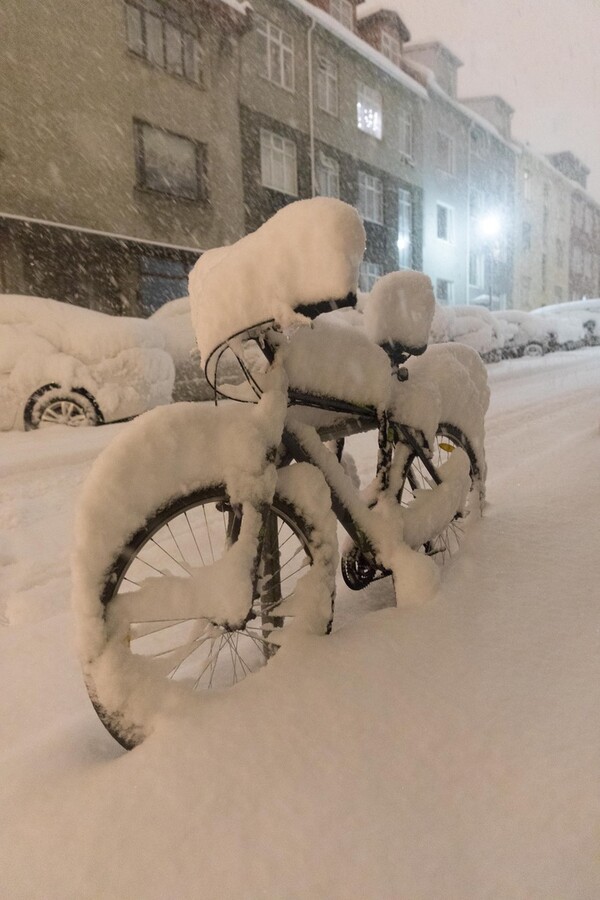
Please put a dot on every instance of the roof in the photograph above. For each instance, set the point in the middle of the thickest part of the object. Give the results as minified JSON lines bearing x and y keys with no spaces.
{"x":379,"y":9}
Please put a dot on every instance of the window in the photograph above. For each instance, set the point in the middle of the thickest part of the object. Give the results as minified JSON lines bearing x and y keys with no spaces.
{"x":390,"y":47}
{"x":526,"y":236}
{"x":445,"y":222}
{"x":278,"y":163}
{"x":161,"y":280}
{"x":368,"y":110}
{"x":560,"y":253}
{"x":406,"y":133}
{"x":370,"y":197}
{"x":169,"y":163}
{"x":444,"y":290}
{"x":328,"y":176}
{"x":405,"y":216}
{"x":527,"y":185}
{"x":445,"y":153}
{"x":342,"y":10}
{"x":276,"y":49}
{"x":170,"y":43}
{"x":369,"y":273}
{"x":479,"y":143}
{"x":476,"y":269}
{"x":476,"y":206}
{"x":327,"y":86}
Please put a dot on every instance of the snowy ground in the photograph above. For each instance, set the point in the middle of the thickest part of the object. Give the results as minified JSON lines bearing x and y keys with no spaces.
{"x":449,"y":751}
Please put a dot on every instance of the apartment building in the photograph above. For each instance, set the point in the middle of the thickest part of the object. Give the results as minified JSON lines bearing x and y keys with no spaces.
{"x":119,"y":146}
{"x":584,"y":245}
{"x":322,"y":111}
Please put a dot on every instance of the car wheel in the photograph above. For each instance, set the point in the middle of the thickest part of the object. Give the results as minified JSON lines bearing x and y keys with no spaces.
{"x":53,"y":405}
{"x":533,"y":349}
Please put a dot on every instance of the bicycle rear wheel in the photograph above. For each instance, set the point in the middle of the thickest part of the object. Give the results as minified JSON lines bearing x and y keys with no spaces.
{"x":444,"y":544}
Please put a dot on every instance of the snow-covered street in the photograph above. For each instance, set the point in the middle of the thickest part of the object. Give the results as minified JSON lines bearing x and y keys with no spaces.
{"x":445,"y":751}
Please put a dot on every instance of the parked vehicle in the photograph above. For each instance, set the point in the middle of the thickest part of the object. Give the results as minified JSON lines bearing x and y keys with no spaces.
{"x":579,"y":322}
{"x":175,"y":322}
{"x":63,"y":364}
{"x":478,"y":328}
{"x":525,"y":334}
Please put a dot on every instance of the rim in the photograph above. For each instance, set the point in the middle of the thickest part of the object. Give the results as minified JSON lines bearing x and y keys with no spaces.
{"x":204,"y":654}
{"x":64,"y":412}
{"x":533,"y":350}
{"x":447,"y":543}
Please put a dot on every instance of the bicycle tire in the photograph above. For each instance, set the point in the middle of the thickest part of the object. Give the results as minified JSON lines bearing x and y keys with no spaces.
{"x":130,"y":719}
{"x":444,"y":543}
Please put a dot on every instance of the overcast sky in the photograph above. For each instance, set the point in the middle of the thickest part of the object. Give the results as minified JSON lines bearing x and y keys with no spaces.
{"x":542,"y":56}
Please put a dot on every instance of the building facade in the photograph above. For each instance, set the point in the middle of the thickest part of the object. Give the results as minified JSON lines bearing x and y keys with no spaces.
{"x":173,"y":126}
{"x":119,"y":146}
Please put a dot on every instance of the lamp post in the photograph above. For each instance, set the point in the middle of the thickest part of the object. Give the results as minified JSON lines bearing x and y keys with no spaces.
{"x":490,"y":226}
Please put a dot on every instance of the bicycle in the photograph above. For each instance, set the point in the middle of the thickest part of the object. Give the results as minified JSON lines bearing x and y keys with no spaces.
{"x":168,"y":606}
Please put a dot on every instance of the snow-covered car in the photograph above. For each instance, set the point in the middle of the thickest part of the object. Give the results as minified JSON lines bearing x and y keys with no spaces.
{"x":578,"y":322}
{"x":63,"y":364}
{"x":526,"y":335}
{"x":478,"y":328}
{"x":175,"y":322}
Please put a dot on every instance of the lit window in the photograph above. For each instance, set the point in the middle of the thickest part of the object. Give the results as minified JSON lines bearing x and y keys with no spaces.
{"x":328,"y":176}
{"x":278,"y":163}
{"x":445,"y":222}
{"x":406,"y":133}
{"x":171,"y":44}
{"x":276,"y":54}
{"x":444,"y":290}
{"x":368,"y":110}
{"x":370,"y":197}
{"x":169,"y":163}
{"x":445,"y":153}
{"x":327,"y":86}
{"x":342,"y":11}
{"x":390,"y":47}
{"x":369,"y":273}
{"x":405,"y":216}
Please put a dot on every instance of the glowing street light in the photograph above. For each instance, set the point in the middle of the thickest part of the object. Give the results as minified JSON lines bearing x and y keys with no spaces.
{"x":490,"y":226}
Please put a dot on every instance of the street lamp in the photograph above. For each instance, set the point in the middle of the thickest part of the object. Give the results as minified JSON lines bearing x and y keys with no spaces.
{"x":490,"y":226}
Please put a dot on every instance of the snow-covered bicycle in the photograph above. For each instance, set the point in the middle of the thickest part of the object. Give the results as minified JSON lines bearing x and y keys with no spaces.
{"x":206,"y":536}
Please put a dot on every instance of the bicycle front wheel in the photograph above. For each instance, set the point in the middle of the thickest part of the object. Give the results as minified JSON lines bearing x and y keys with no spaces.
{"x":194,"y":654}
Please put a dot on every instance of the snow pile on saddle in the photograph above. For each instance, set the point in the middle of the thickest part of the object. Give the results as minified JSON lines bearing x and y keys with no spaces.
{"x":399,"y":310}
{"x":308,"y":252}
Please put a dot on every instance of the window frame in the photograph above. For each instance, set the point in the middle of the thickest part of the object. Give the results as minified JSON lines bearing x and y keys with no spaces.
{"x":343,"y":12}
{"x":447,"y":166}
{"x":368,"y":274}
{"x":327,"y":86}
{"x":331,"y":168}
{"x":270,"y":136}
{"x":191,"y":58}
{"x":406,"y":126}
{"x":393,"y":50}
{"x":370,"y":197}
{"x":141,"y":166}
{"x":271,"y":35}
{"x":449,"y":237}
{"x":449,"y":299}
{"x":370,"y":100}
